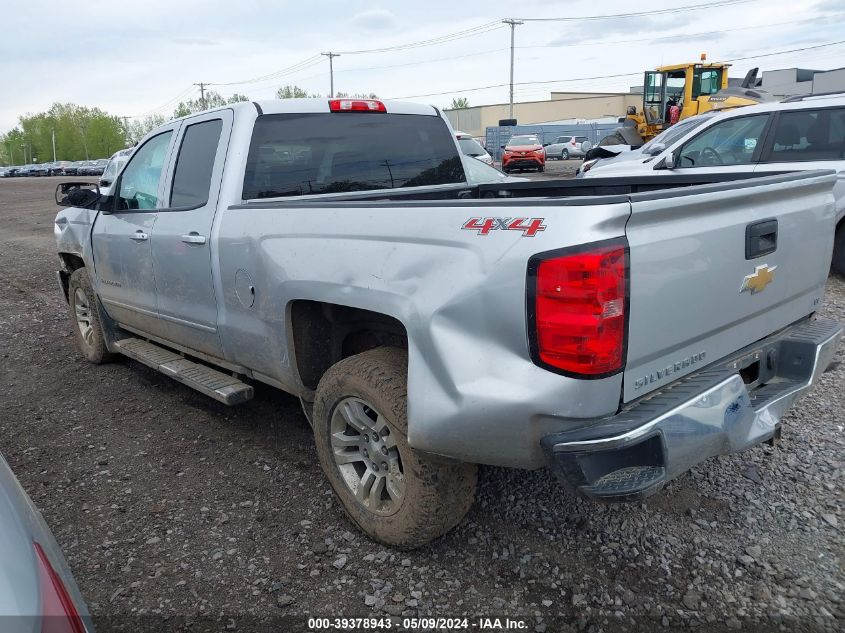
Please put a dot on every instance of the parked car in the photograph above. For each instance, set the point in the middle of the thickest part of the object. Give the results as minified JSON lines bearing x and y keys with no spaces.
{"x":800,"y":133}
{"x":113,"y":168}
{"x":39,"y":592}
{"x":85,"y":168}
{"x":523,"y":152}
{"x":568,"y":146}
{"x":11,"y":171}
{"x":617,"y":153}
{"x":617,"y":338}
{"x":58,"y":168}
{"x":471,"y":147}
{"x":97,"y":167}
{"x":73,"y":168}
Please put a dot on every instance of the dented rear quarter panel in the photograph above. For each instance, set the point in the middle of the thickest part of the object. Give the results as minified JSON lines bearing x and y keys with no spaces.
{"x":473,"y":391}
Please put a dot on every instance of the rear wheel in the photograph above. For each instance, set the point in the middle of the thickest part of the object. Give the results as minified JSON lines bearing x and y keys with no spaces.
{"x":541,"y":168}
{"x":395,"y":494}
{"x":564,"y":155}
{"x":82,"y":303}
{"x":838,"y":263}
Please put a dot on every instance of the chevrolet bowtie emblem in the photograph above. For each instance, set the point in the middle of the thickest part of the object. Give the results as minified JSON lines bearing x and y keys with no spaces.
{"x":759,"y":279}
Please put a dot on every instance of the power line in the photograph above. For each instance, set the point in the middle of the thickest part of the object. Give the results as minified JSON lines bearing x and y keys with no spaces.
{"x":301,"y":65}
{"x":677,"y":36}
{"x":449,"y":37}
{"x":694,"y":7}
{"x":615,"y":76}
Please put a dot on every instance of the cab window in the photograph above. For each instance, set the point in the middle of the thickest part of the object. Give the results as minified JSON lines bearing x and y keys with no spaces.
{"x":141,"y":177}
{"x":707,"y":81}
{"x":804,"y":135}
{"x":731,"y":142}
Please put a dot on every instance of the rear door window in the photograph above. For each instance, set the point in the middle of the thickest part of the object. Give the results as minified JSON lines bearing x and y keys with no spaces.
{"x":303,"y":154}
{"x":192,"y":178}
{"x":807,"y":135}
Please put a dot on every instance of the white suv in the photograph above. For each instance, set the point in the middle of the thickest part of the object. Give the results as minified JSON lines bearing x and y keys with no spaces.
{"x":799,"y":133}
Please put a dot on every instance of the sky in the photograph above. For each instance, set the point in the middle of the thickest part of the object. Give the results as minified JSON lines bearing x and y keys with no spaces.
{"x":139,"y":57}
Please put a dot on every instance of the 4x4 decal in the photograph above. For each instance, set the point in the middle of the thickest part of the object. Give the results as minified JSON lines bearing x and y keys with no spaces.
{"x":529,"y":226}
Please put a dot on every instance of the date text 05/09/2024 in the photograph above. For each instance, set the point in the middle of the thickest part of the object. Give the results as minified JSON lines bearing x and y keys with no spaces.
{"x":417,"y":624}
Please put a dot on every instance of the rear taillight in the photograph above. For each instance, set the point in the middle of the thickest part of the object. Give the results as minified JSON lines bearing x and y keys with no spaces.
{"x":356,"y":105}
{"x":58,"y":613}
{"x":577,"y":305}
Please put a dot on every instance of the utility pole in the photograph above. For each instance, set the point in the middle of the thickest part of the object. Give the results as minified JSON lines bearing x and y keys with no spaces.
{"x":53,"y":130}
{"x":202,"y":93}
{"x":331,"y":71}
{"x":513,"y":23}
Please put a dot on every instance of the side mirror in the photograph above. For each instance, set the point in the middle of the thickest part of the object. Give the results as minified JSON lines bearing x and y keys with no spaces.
{"x":669,"y":162}
{"x":105,"y":182}
{"x":502,"y":146}
{"x":546,"y":144}
{"x":77,"y":194}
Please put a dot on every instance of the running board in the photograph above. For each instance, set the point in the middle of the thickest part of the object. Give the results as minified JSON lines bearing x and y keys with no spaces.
{"x":222,"y":387}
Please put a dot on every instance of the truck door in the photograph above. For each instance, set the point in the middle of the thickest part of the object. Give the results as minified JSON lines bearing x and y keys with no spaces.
{"x":181,"y":246}
{"x":121,"y":236}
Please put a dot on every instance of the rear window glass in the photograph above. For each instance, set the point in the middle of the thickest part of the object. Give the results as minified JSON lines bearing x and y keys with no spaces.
{"x":302,"y":154}
{"x":471,"y":147}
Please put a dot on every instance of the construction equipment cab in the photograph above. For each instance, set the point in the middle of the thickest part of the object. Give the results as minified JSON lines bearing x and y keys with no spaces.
{"x":695,"y":88}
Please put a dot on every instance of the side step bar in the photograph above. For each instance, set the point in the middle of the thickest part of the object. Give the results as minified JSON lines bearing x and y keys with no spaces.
{"x":223,"y":387}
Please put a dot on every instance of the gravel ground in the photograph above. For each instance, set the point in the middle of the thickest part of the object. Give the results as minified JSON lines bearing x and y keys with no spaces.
{"x":201,"y":517}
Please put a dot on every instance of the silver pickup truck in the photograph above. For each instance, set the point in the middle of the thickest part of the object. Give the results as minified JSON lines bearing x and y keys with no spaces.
{"x":618,"y":331}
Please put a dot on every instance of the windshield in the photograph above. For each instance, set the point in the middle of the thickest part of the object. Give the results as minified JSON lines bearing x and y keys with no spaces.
{"x":672,"y":134}
{"x":302,"y":154}
{"x":478,"y":173}
{"x":471,"y":147}
{"x":523,"y":140}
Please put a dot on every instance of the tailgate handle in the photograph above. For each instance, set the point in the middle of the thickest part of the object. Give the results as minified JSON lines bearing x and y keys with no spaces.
{"x":761,"y":238}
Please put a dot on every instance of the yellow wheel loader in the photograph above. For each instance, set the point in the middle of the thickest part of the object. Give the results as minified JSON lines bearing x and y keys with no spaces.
{"x":694,"y":88}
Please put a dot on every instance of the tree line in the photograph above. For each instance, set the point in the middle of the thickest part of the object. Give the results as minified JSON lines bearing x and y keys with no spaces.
{"x":81,"y":133}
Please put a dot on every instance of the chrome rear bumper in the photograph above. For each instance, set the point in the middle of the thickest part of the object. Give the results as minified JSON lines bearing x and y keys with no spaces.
{"x":724,"y":408}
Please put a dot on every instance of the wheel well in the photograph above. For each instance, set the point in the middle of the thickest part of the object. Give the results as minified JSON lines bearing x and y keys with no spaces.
{"x":72,"y":262}
{"x":325,"y":333}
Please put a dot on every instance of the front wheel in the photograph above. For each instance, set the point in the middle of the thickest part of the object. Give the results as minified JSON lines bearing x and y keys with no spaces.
{"x":87,"y":328}
{"x":564,"y":155}
{"x":396,"y":495}
{"x":541,"y":168}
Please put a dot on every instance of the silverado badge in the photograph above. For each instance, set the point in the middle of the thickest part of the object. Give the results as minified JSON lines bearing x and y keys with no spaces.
{"x":759,"y":279}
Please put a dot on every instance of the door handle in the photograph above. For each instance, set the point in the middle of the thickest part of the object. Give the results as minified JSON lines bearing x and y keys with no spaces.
{"x":139,"y":236}
{"x":193,"y":238}
{"x":761,"y":238}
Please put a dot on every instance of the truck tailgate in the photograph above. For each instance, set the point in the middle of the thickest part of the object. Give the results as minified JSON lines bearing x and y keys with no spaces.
{"x":707,"y":278}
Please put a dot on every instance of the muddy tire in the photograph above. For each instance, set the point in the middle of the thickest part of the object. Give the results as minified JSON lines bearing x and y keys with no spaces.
{"x":82,"y":304}
{"x":838,"y":263}
{"x":394,"y":494}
